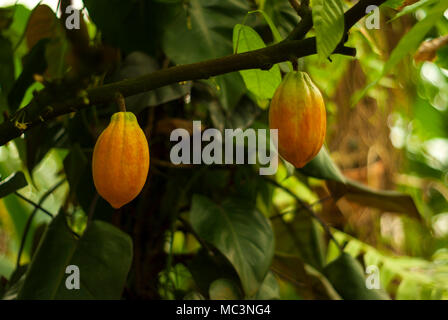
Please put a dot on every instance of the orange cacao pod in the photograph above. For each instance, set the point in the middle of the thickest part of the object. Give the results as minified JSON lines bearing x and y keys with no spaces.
{"x":120,"y":160}
{"x":298,"y":112}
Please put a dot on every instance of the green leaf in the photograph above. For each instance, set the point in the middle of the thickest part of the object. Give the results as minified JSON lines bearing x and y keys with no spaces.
{"x":103,"y":255}
{"x":300,"y":236}
{"x":442,"y":57}
{"x":34,"y":63}
{"x":132,"y":25}
{"x":323,"y":167}
{"x":259,"y":82}
{"x":240,"y":233}
{"x":412,"y":8}
{"x":12,"y":183}
{"x":275,"y":33}
{"x":204,"y":31}
{"x":411,"y":40}
{"x":347,"y":276}
{"x":224,"y":289}
{"x":40,"y":140}
{"x":394,"y":4}
{"x":269,"y":289}
{"x":138,"y":64}
{"x":408,"y":43}
{"x":282,"y":15}
{"x":206,"y":268}
{"x":309,"y":283}
{"x":194,"y":296}
{"x":328,"y":18}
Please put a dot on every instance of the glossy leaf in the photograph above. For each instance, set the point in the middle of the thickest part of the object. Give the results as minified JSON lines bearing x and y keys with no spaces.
{"x":240,"y":232}
{"x":34,"y":63}
{"x":328,"y":18}
{"x":138,"y":64}
{"x":259,"y":82}
{"x":300,"y":236}
{"x":269,"y":289}
{"x":12,"y":183}
{"x":103,"y":255}
{"x":347,"y":276}
{"x":204,"y":31}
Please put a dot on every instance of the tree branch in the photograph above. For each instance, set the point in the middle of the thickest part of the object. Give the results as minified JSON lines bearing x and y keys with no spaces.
{"x":44,"y":107}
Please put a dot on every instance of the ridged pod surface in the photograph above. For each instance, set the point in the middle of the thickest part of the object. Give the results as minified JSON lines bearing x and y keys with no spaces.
{"x":120,"y":160}
{"x":298,"y":112}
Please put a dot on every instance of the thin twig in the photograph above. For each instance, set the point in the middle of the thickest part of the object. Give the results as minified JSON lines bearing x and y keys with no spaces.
{"x":281,"y":214}
{"x":308,"y":210}
{"x":37,"y":207}
{"x":190,"y":229}
{"x":92,"y":207}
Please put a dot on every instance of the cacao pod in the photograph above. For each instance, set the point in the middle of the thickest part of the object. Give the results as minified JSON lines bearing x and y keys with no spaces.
{"x":120,"y":160}
{"x":298,"y":112}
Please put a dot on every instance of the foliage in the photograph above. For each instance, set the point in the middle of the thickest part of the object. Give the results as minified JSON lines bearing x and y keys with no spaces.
{"x":375,"y":195}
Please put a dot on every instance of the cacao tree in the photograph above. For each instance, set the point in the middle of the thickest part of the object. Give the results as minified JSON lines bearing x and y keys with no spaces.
{"x":139,"y":143}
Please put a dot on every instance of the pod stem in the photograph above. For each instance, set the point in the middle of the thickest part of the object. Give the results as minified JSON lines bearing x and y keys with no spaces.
{"x":120,"y":102}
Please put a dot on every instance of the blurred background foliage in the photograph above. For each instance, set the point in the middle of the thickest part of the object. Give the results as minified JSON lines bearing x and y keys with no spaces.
{"x":379,"y":188}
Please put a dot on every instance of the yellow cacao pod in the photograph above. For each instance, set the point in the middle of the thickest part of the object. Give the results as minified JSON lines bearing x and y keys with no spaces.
{"x":120,"y":161}
{"x":298,"y":112}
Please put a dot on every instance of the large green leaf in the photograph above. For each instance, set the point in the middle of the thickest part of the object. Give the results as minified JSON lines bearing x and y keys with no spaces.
{"x":34,"y":63}
{"x":347,"y":276}
{"x":269,"y":289}
{"x":12,"y":183}
{"x":309,"y":283}
{"x":282,"y":15}
{"x":328,"y":18}
{"x":300,"y":236}
{"x":204,"y":31}
{"x":239,"y":232}
{"x":138,"y":64}
{"x":206,"y":269}
{"x":259,"y":82}
{"x":103,"y":255}
{"x":132,"y":25}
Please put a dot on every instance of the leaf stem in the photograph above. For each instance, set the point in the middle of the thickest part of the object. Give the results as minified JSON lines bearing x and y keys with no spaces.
{"x":120,"y":101}
{"x":308,"y":210}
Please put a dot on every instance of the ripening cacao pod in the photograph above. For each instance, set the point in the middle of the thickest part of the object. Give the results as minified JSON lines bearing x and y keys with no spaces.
{"x":298,"y":112}
{"x":120,"y":160}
